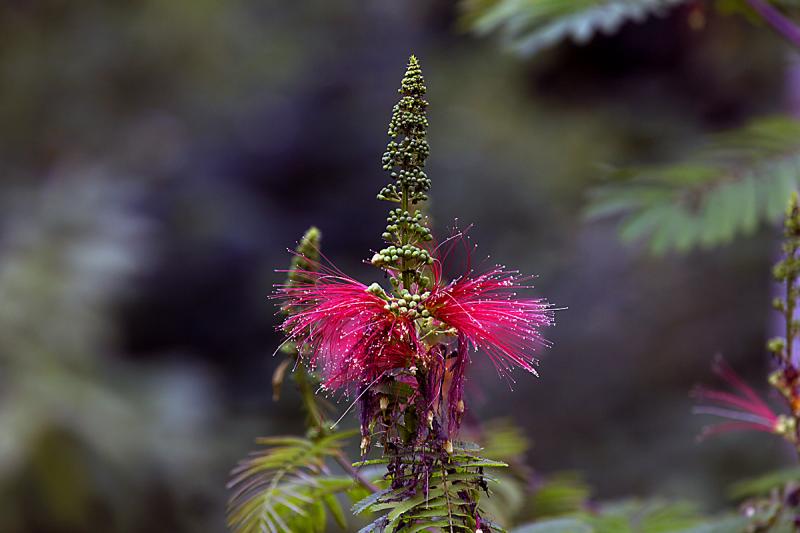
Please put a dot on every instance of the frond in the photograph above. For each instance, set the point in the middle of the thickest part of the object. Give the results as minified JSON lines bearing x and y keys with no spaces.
{"x":739,"y":180}
{"x":447,"y":502}
{"x":560,"y":495}
{"x":528,"y":26}
{"x":629,"y":517}
{"x":286,"y":487}
{"x":764,"y":485}
{"x":505,"y":441}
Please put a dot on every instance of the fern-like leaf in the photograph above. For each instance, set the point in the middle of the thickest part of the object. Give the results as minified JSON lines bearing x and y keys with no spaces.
{"x":528,"y":26}
{"x":764,"y":485}
{"x":740,"y":179}
{"x":286,"y":487}
{"x":625,"y":517}
{"x":448,"y":502}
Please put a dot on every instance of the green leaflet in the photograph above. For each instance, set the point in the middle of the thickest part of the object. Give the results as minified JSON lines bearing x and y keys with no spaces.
{"x":560,"y":525}
{"x":448,"y":504}
{"x":286,"y":486}
{"x":528,"y":26}
{"x":763,"y":485}
{"x":624,"y":517}
{"x":739,"y":180}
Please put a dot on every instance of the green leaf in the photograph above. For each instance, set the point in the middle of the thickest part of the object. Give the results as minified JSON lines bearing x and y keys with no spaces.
{"x":448,"y":504}
{"x":722,"y":525}
{"x":286,"y":486}
{"x":739,"y":180}
{"x":366,"y":503}
{"x":335,"y":508}
{"x":763,"y":485}
{"x":560,"y":525}
{"x":528,"y":26}
{"x":562,"y":494}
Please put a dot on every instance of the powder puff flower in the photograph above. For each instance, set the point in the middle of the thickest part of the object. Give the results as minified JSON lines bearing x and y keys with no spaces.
{"x":345,"y":329}
{"x":488,"y":314}
{"x":742,"y":409}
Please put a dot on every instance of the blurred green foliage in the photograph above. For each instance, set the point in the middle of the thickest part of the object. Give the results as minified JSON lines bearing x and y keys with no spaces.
{"x":528,"y":26}
{"x":726,"y":189}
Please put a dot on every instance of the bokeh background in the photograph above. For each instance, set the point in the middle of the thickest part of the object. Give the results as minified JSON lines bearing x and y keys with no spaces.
{"x":158,"y":159}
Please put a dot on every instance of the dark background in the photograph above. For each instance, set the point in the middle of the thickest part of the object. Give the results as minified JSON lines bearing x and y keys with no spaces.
{"x":158,"y":158}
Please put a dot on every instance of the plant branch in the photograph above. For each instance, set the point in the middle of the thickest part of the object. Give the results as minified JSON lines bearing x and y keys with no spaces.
{"x":347,"y":465}
{"x":779,"y":22}
{"x":318,"y":421}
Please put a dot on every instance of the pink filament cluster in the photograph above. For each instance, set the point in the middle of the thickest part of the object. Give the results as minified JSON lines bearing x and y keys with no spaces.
{"x":490,"y":316}
{"x":741,"y":410}
{"x":345,"y":330}
{"x":350,"y":336}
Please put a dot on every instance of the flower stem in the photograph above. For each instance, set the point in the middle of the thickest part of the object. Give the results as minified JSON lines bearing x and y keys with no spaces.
{"x":779,"y":22}
{"x":318,"y":423}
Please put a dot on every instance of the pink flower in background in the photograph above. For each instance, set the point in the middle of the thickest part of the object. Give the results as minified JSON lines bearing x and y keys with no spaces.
{"x":345,"y":329}
{"x":742,"y":409}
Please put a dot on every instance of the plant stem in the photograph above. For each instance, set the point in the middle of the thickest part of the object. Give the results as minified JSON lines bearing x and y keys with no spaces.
{"x":307,"y":394}
{"x":318,"y":421}
{"x":347,"y":465}
{"x":406,"y":274}
{"x":779,"y":22}
{"x":790,"y":307}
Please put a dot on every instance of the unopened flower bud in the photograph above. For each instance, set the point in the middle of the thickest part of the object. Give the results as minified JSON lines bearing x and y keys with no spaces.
{"x":460,"y":406}
{"x":364,"y":444}
{"x":785,"y":426}
{"x":384,"y":402}
{"x":430,"y":420}
{"x":377,"y":290}
{"x":448,"y":446}
{"x":776,"y":345}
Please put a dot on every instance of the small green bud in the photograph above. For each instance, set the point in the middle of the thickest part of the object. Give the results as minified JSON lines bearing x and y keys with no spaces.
{"x":776,"y":345}
{"x":377,"y":290}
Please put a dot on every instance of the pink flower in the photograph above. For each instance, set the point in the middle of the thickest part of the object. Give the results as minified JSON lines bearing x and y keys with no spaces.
{"x":345,"y":330}
{"x":488,"y":314}
{"x":742,"y":409}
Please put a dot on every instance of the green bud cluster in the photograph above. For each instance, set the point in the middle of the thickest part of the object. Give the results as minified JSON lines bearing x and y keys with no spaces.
{"x":405,"y":159}
{"x":397,"y":256}
{"x":408,"y":304}
{"x":786,"y":379}
{"x":306,"y":258}
{"x":787,"y":271}
{"x":410,"y":225}
{"x":786,"y":427}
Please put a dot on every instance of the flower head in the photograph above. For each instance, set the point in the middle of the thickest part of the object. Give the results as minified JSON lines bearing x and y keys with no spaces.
{"x":344,"y":328}
{"x":742,"y":409}
{"x":488,"y":313}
